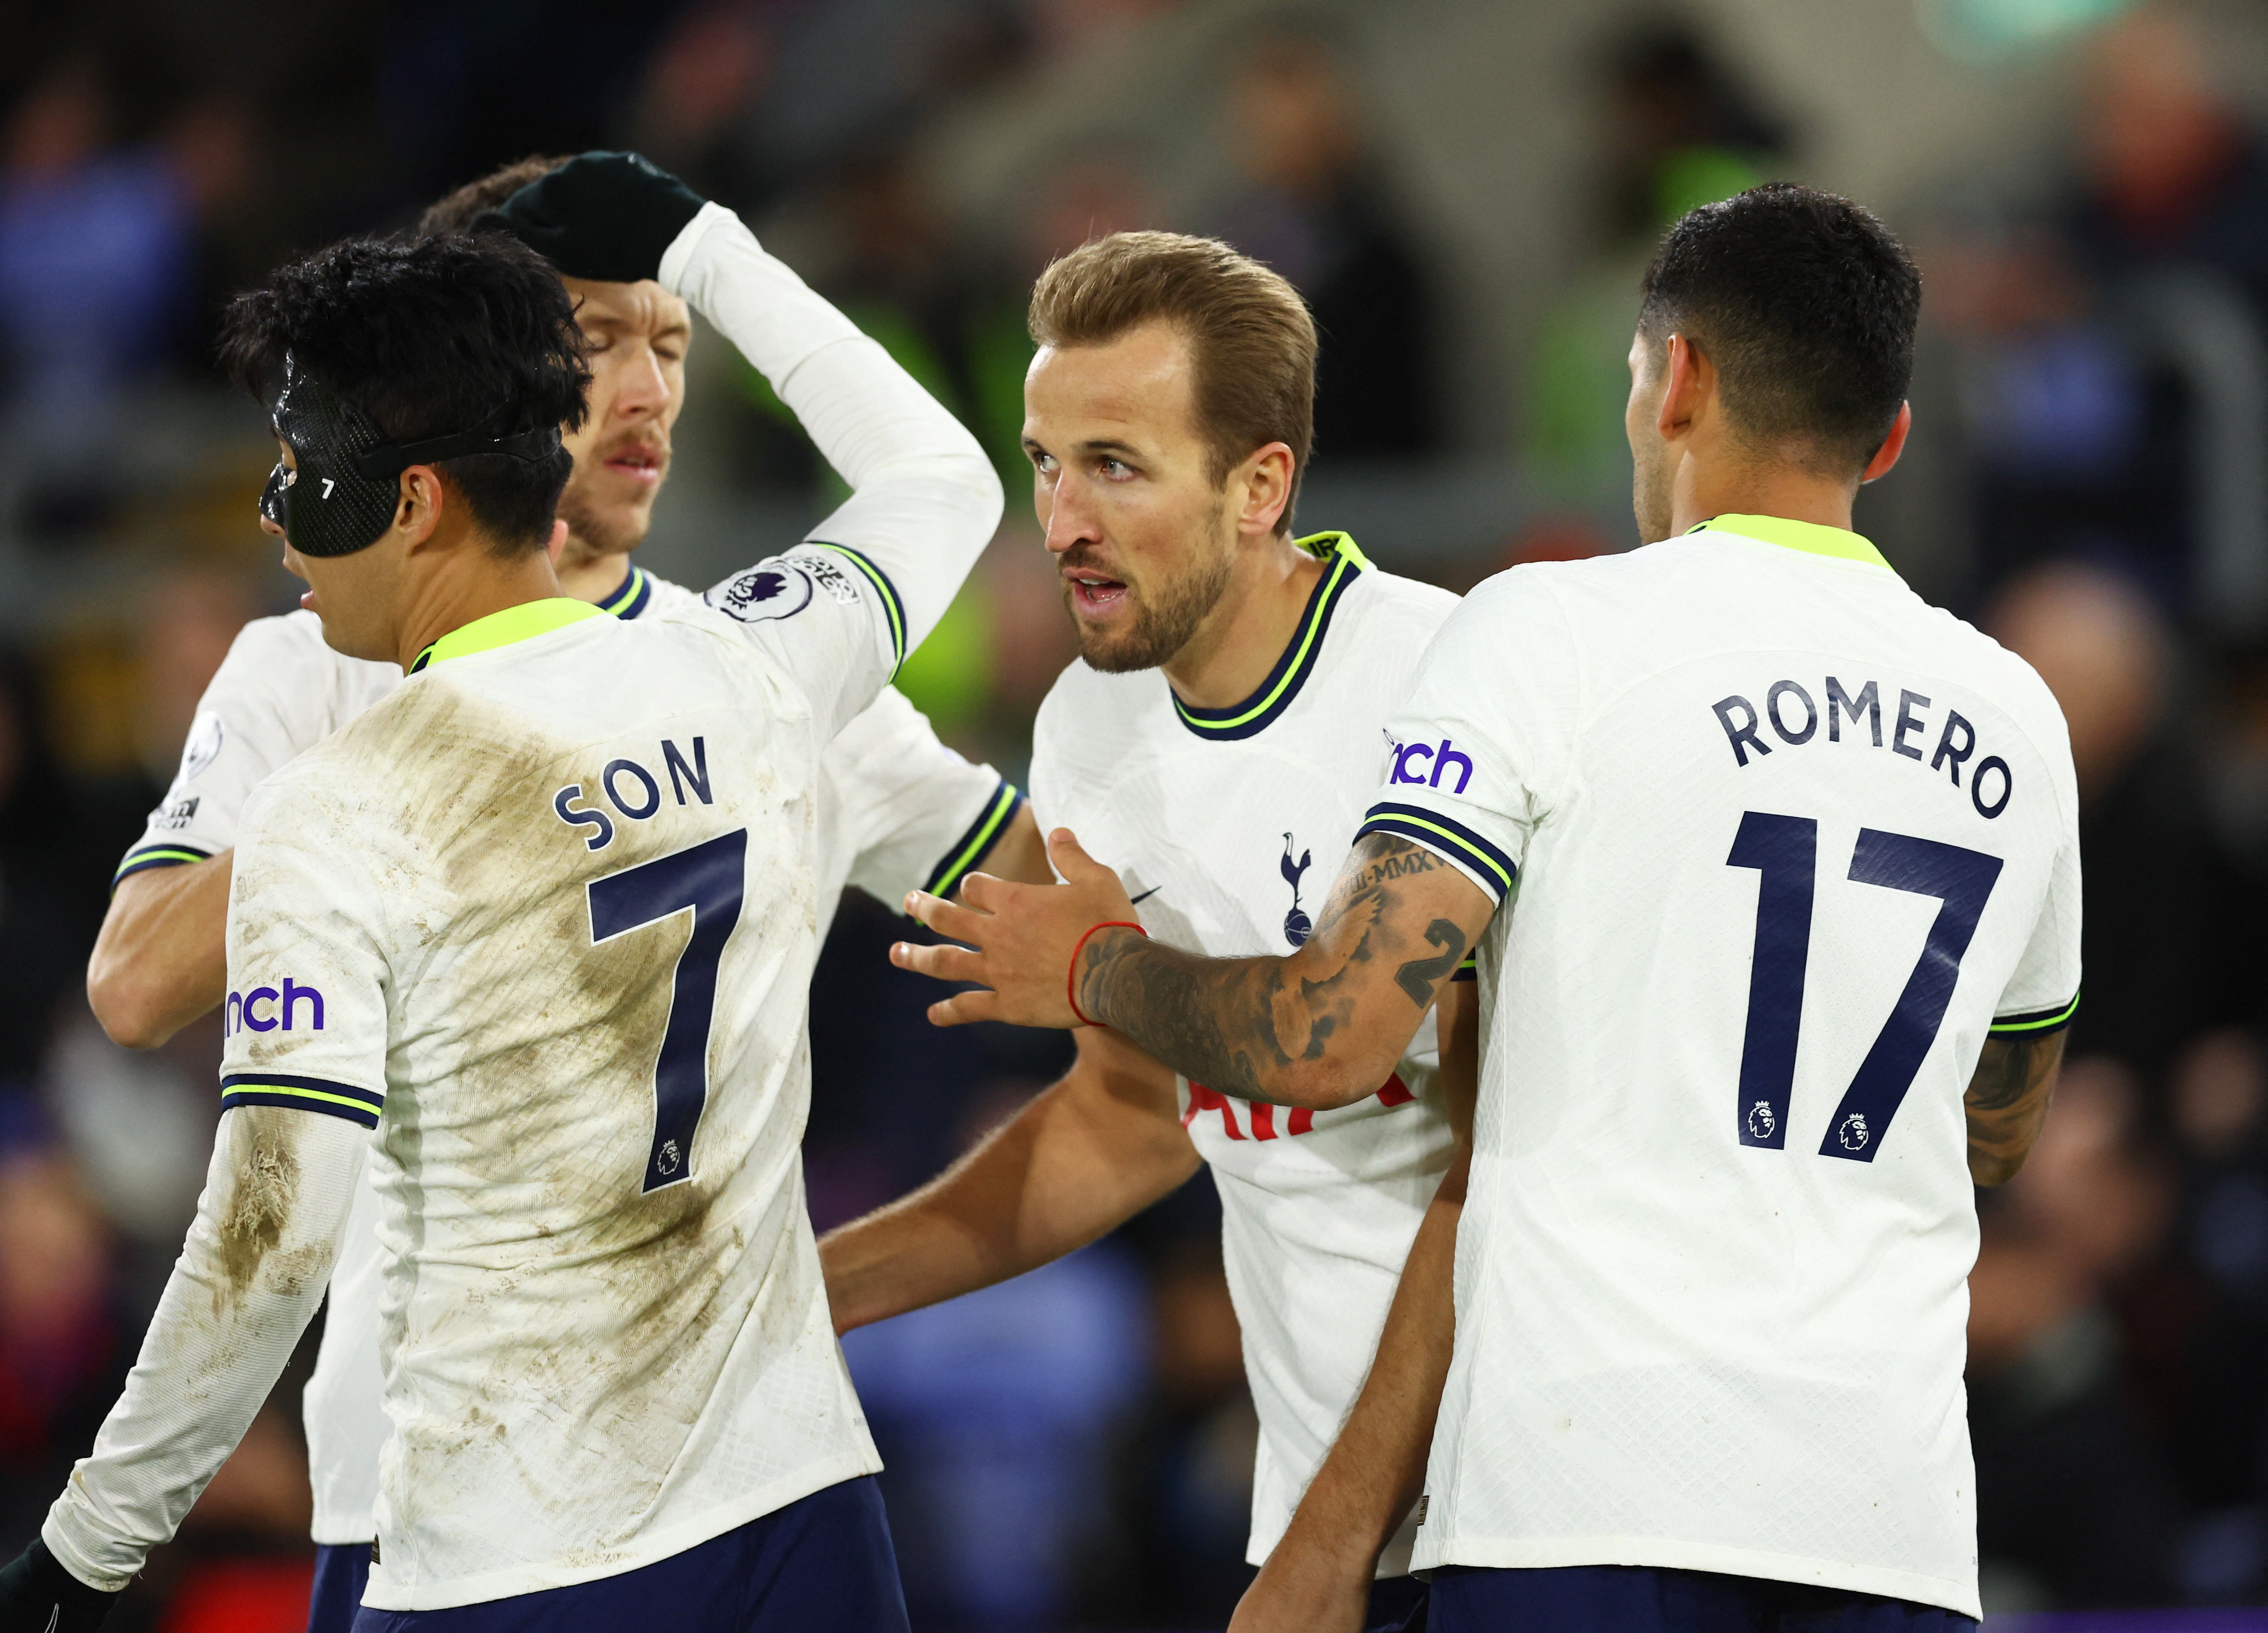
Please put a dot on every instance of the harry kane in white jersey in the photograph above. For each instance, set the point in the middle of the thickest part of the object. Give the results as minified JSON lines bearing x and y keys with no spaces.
{"x":1774,"y":872}
{"x":608,"y":1367}
{"x":1221,"y":736}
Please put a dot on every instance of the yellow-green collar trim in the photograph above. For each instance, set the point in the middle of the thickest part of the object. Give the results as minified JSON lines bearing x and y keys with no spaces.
{"x":1343,"y":562}
{"x":1323,"y":546}
{"x":1809,"y":537}
{"x":522,"y":622}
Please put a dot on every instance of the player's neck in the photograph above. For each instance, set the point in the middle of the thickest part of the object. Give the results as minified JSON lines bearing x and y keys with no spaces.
{"x":1708,"y":488}
{"x":1248,"y":627}
{"x":466,"y":585}
{"x":592,"y":578}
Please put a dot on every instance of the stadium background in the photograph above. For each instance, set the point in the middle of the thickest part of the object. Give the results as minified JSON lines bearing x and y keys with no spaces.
{"x":1466,"y":191}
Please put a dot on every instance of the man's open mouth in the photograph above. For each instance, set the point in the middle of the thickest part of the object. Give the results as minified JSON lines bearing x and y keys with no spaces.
{"x":1095,"y":595}
{"x":638,"y":462}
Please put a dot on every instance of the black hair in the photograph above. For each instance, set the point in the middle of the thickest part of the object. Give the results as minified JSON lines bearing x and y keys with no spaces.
{"x":431,"y":337}
{"x":1806,"y":305}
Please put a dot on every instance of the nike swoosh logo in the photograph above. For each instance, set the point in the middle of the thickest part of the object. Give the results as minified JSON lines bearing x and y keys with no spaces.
{"x":1138,"y":900}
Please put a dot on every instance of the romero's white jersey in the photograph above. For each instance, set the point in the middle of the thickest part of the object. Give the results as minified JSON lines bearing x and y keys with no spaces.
{"x":1783,"y":843}
{"x":897,"y":811}
{"x":1228,"y":826}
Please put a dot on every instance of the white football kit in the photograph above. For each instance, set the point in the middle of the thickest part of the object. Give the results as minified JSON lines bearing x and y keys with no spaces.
{"x":1228,"y":826}
{"x":545,"y":916}
{"x":1780,"y":845}
{"x":896,"y":810}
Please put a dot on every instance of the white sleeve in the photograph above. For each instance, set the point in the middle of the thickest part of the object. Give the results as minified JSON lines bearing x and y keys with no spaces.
{"x":925,"y":500}
{"x":303,"y":1080}
{"x":2042,"y":995}
{"x":923,"y":815}
{"x":278,"y":692}
{"x":1481,"y":747}
{"x":247,"y":1283}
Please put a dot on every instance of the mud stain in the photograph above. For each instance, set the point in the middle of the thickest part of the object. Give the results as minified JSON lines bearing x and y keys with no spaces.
{"x":266,"y":1185}
{"x":570,"y":1340}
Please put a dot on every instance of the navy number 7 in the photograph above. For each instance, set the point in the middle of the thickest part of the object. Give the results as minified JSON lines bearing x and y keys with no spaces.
{"x":1783,"y":851}
{"x":705,"y":877}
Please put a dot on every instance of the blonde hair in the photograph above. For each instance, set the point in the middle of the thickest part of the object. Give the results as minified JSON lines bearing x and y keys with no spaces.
{"x":1252,"y":342}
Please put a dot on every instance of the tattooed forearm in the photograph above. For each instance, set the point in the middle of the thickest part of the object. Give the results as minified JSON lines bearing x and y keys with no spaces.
{"x":1420,"y":976}
{"x":2007,"y":1102}
{"x":1167,"y":1001}
{"x":1288,"y":1030}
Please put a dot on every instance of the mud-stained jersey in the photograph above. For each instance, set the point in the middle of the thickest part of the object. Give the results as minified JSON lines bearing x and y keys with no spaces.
{"x":1781,"y":845}
{"x":1228,"y":826}
{"x":897,"y":811}
{"x":545,"y":918}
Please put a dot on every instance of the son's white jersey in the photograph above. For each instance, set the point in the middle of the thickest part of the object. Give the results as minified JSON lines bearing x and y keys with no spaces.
{"x":1781,"y":845}
{"x":1228,"y":826}
{"x":545,"y":918}
{"x":897,"y":810}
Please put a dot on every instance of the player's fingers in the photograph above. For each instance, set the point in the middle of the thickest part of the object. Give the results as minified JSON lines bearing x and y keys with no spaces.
{"x":983,"y":892}
{"x":963,"y":1007}
{"x":1071,"y":861}
{"x":947,"y":918}
{"x":945,"y":963}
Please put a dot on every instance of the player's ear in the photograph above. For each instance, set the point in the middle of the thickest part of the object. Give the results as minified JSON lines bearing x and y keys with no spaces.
{"x":1264,"y":481}
{"x":419,"y":503}
{"x":1893,"y":444}
{"x":1689,"y":380}
{"x":557,"y":546}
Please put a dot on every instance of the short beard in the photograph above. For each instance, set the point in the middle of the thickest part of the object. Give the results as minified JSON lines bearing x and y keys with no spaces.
{"x":1161,"y":628}
{"x":591,"y":534}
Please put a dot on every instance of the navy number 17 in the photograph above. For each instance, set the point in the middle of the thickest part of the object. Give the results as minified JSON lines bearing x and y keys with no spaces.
{"x":1784,"y":851}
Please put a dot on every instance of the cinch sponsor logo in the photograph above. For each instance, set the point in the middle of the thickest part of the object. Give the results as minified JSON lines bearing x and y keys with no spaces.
{"x":264,"y":1009}
{"x":1413,"y":762}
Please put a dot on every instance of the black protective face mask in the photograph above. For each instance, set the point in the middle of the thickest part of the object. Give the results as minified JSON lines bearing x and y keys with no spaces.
{"x":342,"y":494}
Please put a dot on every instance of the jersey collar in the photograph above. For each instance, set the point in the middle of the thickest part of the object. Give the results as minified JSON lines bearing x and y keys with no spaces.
{"x":633,"y":598}
{"x":1257,"y":712}
{"x":522,"y":622}
{"x":1809,"y":537}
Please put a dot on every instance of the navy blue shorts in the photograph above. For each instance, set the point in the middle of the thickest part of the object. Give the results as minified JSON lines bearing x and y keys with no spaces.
{"x":1397,"y":1605}
{"x":822,"y":1565}
{"x":1652,"y":1598}
{"x":341,"y":1571}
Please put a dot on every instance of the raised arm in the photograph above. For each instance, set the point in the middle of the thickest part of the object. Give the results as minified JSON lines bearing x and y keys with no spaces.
{"x":2007,"y":1102}
{"x":925,"y":500}
{"x":1085,"y":1156}
{"x":1323,"y":1027}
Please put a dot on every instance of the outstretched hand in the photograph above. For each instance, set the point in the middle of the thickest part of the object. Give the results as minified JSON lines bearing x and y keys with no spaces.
{"x":1019,"y":939}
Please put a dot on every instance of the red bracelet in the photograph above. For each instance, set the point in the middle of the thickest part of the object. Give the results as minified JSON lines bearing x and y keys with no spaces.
{"x":1070,"y":976}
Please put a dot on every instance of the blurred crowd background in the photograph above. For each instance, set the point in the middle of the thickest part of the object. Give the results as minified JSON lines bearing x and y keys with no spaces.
{"x":1466,"y":191}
